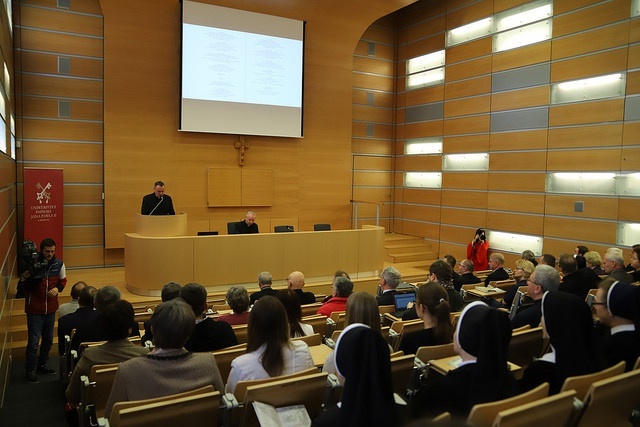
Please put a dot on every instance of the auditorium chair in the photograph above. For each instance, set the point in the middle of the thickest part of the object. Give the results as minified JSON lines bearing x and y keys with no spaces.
{"x":310,"y":309}
{"x":94,"y":392}
{"x":524,"y":346}
{"x":483,"y":414}
{"x":225,"y":357}
{"x":321,"y":227}
{"x":401,"y":370}
{"x":241,"y":333}
{"x":400,"y":329}
{"x":317,"y":321}
{"x":311,"y":340}
{"x":190,"y":408}
{"x":434,"y":352}
{"x":554,"y":410}
{"x":231,"y":227}
{"x":582,"y":383}
{"x":611,"y":402}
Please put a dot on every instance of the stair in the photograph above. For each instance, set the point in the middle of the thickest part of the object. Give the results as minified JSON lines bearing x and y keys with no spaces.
{"x":401,"y":248}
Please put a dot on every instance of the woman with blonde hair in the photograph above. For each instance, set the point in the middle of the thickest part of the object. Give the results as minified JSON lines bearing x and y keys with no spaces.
{"x":594,"y":262}
{"x":432,"y":307}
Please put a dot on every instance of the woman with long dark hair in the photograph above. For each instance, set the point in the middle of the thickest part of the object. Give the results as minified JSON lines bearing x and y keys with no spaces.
{"x":270,"y":352}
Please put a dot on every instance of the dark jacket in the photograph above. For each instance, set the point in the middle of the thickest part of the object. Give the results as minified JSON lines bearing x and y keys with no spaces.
{"x":211,"y":335}
{"x":36,"y":300}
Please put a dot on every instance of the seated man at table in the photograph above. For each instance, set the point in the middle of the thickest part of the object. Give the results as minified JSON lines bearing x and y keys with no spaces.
{"x":265,"y":280}
{"x":389,"y":281}
{"x":576,"y":281}
{"x":208,"y":334}
{"x":248,"y":224}
{"x":465,"y":275}
{"x":295,"y":282}
{"x":341,"y":289}
{"x":544,"y":278}
{"x":496,"y":263}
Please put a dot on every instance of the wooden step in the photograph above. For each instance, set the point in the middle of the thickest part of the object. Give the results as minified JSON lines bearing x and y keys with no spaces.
{"x":394,"y":237}
{"x":407,"y":244}
{"x":396,"y":257}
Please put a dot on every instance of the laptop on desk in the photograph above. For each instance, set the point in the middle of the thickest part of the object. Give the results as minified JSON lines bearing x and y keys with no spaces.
{"x":401,"y":300}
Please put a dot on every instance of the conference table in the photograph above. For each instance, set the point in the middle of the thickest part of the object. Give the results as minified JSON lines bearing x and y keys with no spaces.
{"x":218,"y":262}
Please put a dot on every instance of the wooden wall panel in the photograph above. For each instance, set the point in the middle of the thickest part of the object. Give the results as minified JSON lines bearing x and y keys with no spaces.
{"x":472,"y":68}
{"x":579,"y":229}
{"x":630,"y":159}
{"x":594,"y":207}
{"x":586,"y":136}
{"x":61,"y":87}
{"x":73,"y":173}
{"x":461,"y":107}
{"x":371,"y":147}
{"x":61,"y":130}
{"x":80,"y":236}
{"x":82,"y":215}
{"x":455,"y":234}
{"x":633,"y":80}
{"x":421,"y":229}
{"x":372,"y":163}
{"x":465,"y":199}
{"x":560,"y":246}
{"x":471,"y":50}
{"x":463,"y":216}
{"x":465,"y":180}
{"x":631,"y":133}
{"x":471,"y":87}
{"x":528,"y":55}
{"x":628,"y":209}
{"x":517,"y":181}
{"x":381,"y":49}
{"x":373,"y":81}
{"x":372,"y":114}
{"x":423,"y":96}
{"x":72,"y":152}
{"x":380,"y":130}
{"x":533,"y":97}
{"x":420,"y":47}
{"x":588,"y":160}
{"x":60,"y":20}
{"x":366,"y":178}
{"x":516,"y":202}
{"x":380,"y":99}
{"x":48,"y":63}
{"x":420,"y":130}
{"x":419,"y":163}
{"x":586,"y":112}
{"x":85,"y":193}
{"x":607,"y":62}
{"x":421,"y":213}
{"x":515,"y":222}
{"x":426,"y":197}
{"x":525,"y":140}
{"x":523,"y":161}
{"x":84,"y":256}
{"x":569,"y":5}
{"x":473,"y":12}
{"x":466,"y":144}
{"x":48,"y":107}
{"x":60,"y":43}
{"x":590,"y":41}
{"x":605,"y":13}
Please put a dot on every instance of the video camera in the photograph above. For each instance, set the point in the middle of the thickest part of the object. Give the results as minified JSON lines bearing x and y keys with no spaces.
{"x":31,"y":260}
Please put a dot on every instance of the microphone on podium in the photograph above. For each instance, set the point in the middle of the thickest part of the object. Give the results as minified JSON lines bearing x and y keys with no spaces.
{"x":156,"y":207}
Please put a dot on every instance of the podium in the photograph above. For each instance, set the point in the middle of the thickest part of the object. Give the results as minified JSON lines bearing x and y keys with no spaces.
{"x":162,"y":225}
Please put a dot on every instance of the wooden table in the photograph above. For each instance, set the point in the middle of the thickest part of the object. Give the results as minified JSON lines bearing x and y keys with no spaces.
{"x":443,"y":366}
{"x":319,"y":354}
{"x":494,"y":293}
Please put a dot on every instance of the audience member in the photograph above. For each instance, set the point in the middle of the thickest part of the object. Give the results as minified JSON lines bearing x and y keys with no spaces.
{"x":264,"y":282}
{"x":362,"y":359}
{"x":440,"y":272}
{"x":169,"y":368}
{"x":530,"y":256}
{"x":496,"y":264}
{"x":635,"y":263}
{"x":295,"y":282}
{"x":580,"y":250}
{"x":451,"y":260}
{"x":523,"y":270}
{"x":594,"y":262}
{"x":477,"y":250}
{"x":389,"y":281}
{"x":169,"y":291}
{"x":574,"y":281}
{"x":238,"y":300}
{"x":544,"y":278}
{"x":84,"y":315}
{"x":433,"y":308}
{"x":361,"y":308}
{"x":291,"y":303}
{"x":270,"y":352}
{"x":481,"y":340}
{"x":567,"y":322}
{"x":465,"y":276}
{"x":247,"y":225}
{"x":341,"y":289}
{"x":613,"y":264}
{"x":94,"y":331}
{"x":71,"y":306}
{"x":547,"y":259}
{"x":117,"y":319}
{"x":616,"y":308}
{"x":208,"y":334}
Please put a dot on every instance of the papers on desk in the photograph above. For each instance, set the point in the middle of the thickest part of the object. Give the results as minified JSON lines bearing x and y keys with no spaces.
{"x":455,"y":362}
{"x":488,"y":289}
{"x":287,"y":416}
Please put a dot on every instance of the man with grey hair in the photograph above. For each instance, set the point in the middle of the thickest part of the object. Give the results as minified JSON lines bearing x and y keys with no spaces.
{"x":341,"y":289}
{"x":496,"y":263}
{"x":389,"y":281}
{"x":248,"y":224}
{"x":544,"y":278}
{"x":265,"y":282}
{"x":613,"y":265}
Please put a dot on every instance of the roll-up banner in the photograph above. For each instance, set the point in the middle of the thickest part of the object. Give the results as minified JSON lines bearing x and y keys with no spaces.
{"x":43,"y":206}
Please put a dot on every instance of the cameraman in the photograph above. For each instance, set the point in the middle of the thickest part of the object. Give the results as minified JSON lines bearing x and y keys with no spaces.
{"x":477,"y":251}
{"x":41,"y":289}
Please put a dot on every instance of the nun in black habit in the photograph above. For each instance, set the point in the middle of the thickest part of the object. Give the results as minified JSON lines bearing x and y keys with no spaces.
{"x":481,"y":340}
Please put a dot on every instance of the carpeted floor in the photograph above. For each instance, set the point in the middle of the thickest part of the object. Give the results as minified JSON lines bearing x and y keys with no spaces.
{"x":33,"y":405}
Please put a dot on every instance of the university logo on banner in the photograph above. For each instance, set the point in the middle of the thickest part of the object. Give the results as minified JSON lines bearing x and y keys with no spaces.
{"x":43,"y":206}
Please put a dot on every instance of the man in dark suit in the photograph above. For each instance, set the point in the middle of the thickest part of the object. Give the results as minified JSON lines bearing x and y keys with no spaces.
{"x":295,"y":282}
{"x":85,"y":314}
{"x":389,"y":281}
{"x":465,"y":276}
{"x":574,"y":281}
{"x":544,"y":278}
{"x":613,"y":264}
{"x":264,"y":282}
{"x":208,"y":334}
{"x":496,"y":262}
{"x":157,"y":203}
{"x":247,"y":225}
